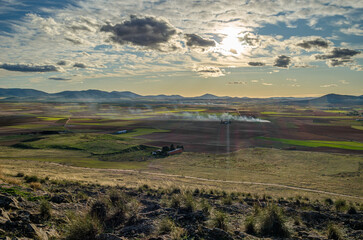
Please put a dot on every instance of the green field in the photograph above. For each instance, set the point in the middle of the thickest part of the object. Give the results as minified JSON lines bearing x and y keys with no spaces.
{"x":351,"y":145}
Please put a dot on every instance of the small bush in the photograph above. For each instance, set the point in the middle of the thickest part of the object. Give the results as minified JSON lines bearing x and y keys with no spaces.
{"x":273,"y":224}
{"x":98,"y":210}
{"x":335,"y":233}
{"x":45,"y":210}
{"x":166,"y":225}
{"x":29,"y":179}
{"x":83,"y":227}
{"x":220,"y":220}
{"x":340,"y":205}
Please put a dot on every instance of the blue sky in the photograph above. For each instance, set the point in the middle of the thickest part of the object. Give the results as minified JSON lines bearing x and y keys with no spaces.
{"x":235,"y":48}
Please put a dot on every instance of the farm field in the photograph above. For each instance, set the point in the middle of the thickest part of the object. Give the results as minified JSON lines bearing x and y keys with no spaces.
{"x":311,"y":148}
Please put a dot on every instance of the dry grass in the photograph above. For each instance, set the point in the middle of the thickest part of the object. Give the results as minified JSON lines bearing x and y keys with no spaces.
{"x":136,"y":179}
{"x":35,"y":185}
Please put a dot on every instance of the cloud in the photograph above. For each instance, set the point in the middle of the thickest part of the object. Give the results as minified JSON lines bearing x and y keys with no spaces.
{"x":209,"y":71}
{"x":328,"y":85}
{"x":195,"y":40}
{"x":59,"y":79}
{"x":62,"y":63}
{"x":344,"y":82}
{"x":29,"y":68}
{"x":282,"y":61}
{"x":291,"y":79}
{"x":147,"y":32}
{"x":318,"y":43}
{"x":354,"y":30}
{"x":343,"y":53}
{"x":338,"y":56}
{"x":256,"y":64}
{"x":267,"y":84}
{"x":79,"y":65}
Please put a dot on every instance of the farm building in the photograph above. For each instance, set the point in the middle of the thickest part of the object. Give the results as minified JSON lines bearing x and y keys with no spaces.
{"x":175,"y":151}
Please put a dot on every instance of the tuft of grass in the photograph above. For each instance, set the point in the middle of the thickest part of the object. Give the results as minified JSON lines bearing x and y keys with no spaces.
{"x":30,"y":179}
{"x":205,"y":206}
{"x":250,"y":226}
{"x":178,"y":233}
{"x":99,"y":210}
{"x":83,"y":227}
{"x":273,"y":223}
{"x":35,"y":185}
{"x":220,"y":220}
{"x":166,"y":225}
{"x":335,"y":233}
{"x":329,"y":201}
{"x":45,"y":210}
{"x":340,"y":205}
{"x":352,"y":210}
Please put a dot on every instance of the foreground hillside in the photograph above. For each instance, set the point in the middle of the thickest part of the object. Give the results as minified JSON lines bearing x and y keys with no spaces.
{"x":43,"y":208}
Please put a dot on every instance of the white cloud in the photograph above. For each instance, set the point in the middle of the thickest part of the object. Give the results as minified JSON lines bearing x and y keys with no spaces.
{"x":329,"y":85}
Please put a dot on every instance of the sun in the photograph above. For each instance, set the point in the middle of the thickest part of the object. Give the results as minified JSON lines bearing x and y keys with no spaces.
{"x":231,"y":44}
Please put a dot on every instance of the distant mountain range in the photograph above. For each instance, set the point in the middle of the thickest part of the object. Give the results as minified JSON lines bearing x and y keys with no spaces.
{"x":18,"y":94}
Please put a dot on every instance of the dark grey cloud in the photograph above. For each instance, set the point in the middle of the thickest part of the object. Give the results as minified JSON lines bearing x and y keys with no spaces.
{"x":141,"y":31}
{"x":343,"y":53}
{"x":59,"y":79}
{"x":256,"y":64}
{"x":195,"y":40}
{"x":62,"y":63}
{"x":282,"y":61}
{"x":29,"y":68}
{"x":338,"y":56}
{"x":339,"y":62}
{"x":319,"y":42}
{"x":79,"y":65}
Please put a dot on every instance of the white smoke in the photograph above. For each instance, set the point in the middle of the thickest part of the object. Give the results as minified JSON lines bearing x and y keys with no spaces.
{"x":222,"y":117}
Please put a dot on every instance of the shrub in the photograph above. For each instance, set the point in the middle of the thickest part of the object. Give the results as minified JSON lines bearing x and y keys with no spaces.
{"x":98,"y":210}
{"x":340,"y":205}
{"x":335,"y":233}
{"x":273,"y":224}
{"x":220,"y":220}
{"x":45,"y":210}
{"x":83,"y":227}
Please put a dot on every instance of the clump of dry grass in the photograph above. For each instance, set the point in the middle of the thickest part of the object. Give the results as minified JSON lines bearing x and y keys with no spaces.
{"x":35,"y":185}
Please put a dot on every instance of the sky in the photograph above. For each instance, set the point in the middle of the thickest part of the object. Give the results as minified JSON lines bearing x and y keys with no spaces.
{"x":252,"y":48}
